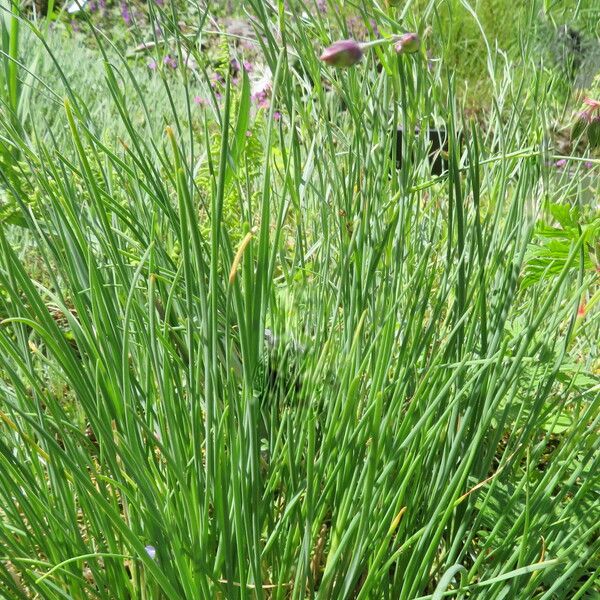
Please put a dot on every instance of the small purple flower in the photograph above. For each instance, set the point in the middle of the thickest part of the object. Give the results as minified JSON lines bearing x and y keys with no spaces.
{"x":125,"y":14}
{"x":261,"y":98}
{"x":151,"y":551}
{"x":584,"y":116}
{"x":170,"y":61}
{"x":153,"y":65}
{"x":408,"y":43}
{"x":559,"y":164}
{"x":277,"y":116}
{"x":261,"y":90}
{"x":200,"y":101}
{"x":353,"y":23}
{"x":374,"y":27}
{"x":248,"y":66}
{"x":588,"y":164}
{"x":342,"y":54}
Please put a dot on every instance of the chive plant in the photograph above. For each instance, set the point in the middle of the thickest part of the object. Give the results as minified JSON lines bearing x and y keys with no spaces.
{"x":244,"y":356}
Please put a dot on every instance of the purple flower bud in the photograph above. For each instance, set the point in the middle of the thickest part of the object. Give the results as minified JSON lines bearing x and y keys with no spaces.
{"x":151,"y":550}
{"x":559,"y":164}
{"x":277,"y":116}
{"x":408,"y":43}
{"x":153,"y":65}
{"x":343,"y":54}
{"x":593,"y":104}
{"x":588,"y":164}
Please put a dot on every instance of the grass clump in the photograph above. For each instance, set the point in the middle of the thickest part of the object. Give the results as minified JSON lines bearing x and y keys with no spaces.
{"x":243,"y":355}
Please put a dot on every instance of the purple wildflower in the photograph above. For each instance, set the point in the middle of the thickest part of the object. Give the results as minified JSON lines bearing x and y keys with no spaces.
{"x":261,"y":98}
{"x":585,"y":116}
{"x":248,"y":66}
{"x":261,"y":90}
{"x":153,"y":65}
{"x":125,"y":14}
{"x":559,"y":164}
{"x":374,"y":27}
{"x":277,"y":116}
{"x":170,"y":61}
{"x":588,"y":164}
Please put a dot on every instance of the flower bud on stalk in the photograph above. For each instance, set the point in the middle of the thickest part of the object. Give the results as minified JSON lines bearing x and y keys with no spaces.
{"x":343,"y":54}
{"x":594,"y":132}
{"x":588,"y":120}
{"x":347,"y":53}
{"x":593,"y":104}
{"x":407,"y":43}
